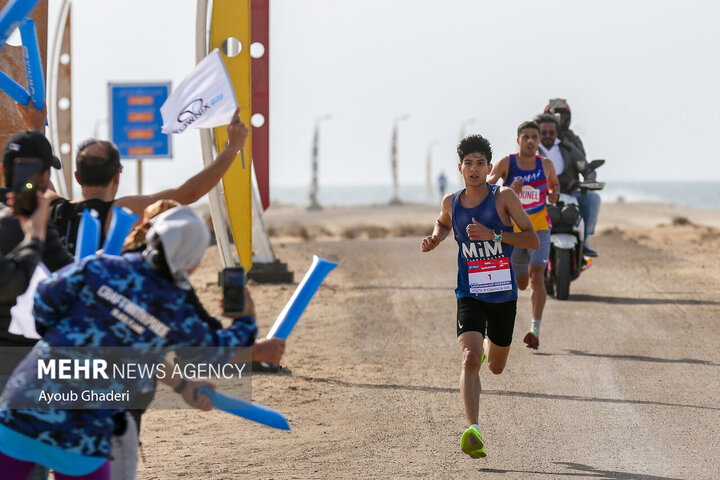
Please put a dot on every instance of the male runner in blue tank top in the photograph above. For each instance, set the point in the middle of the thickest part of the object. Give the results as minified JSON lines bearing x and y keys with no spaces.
{"x":482,"y":216}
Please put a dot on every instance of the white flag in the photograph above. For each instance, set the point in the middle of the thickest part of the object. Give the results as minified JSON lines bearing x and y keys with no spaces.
{"x":204,"y":99}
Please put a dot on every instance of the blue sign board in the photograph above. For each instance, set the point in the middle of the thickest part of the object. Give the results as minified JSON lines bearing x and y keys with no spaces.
{"x":135,"y":120}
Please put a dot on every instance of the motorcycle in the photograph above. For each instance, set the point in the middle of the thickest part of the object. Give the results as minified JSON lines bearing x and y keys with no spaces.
{"x":567,"y":235}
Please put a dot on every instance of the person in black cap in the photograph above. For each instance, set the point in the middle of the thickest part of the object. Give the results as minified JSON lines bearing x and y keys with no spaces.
{"x":13,"y":236}
{"x":27,"y":144}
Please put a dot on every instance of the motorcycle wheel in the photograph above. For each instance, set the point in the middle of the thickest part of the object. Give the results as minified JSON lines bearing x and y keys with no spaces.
{"x":563,"y":273}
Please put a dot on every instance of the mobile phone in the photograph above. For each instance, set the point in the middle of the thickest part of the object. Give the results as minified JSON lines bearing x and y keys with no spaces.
{"x":232,"y":280}
{"x":25,"y":184}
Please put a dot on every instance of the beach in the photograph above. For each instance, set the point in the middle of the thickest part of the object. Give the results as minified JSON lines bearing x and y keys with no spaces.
{"x":625,"y":384}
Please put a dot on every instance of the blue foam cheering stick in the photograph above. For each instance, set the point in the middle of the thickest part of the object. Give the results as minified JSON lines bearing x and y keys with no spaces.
{"x":301,"y":297}
{"x":33,"y":63}
{"x":12,"y":15}
{"x":88,"y":237}
{"x":120,"y":225}
{"x":241,"y":408}
{"x":13,"y":89}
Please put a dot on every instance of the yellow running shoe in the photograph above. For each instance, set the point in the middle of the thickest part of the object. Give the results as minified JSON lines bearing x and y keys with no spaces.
{"x":472,"y":443}
{"x":479,"y":453}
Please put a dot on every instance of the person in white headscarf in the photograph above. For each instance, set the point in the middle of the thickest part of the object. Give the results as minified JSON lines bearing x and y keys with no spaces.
{"x":134,"y":300}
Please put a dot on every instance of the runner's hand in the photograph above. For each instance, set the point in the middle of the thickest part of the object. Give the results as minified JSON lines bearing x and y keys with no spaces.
{"x":429,"y":243}
{"x":268,"y":350}
{"x":477,"y":231}
{"x":237,"y":133}
{"x":516,"y":185}
{"x":36,"y":224}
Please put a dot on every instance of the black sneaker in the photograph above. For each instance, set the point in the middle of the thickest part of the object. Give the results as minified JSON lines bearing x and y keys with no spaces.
{"x":589,"y":252}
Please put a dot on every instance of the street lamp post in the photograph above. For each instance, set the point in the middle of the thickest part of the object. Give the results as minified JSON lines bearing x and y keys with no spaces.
{"x":314,"y":204}
{"x":428,"y":169}
{"x":463,"y":127}
{"x":393,"y":161}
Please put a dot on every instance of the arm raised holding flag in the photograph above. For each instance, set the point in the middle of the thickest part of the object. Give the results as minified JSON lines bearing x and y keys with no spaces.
{"x":201,"y":183}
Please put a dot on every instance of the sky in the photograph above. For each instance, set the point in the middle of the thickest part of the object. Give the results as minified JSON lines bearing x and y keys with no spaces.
{"x":640,"y":76}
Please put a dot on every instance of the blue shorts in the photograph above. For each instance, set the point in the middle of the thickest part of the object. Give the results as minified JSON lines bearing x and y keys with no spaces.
{"x":522,"y":257}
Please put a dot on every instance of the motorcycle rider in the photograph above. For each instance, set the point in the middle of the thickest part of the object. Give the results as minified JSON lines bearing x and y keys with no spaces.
{"x":560,"y":108}
{"x":570,"y":162}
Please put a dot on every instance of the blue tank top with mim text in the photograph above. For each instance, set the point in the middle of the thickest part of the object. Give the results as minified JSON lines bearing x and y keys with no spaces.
{"x":484,"y":269}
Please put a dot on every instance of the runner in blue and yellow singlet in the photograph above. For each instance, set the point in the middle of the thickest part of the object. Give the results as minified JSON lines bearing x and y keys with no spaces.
{"x":481,"y":216}
{"x":533,"y":179}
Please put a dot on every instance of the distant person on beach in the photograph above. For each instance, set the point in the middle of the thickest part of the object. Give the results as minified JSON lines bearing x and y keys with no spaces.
{"x":533,"y":179}
{"x":149,"y":289}
{"x":98,"y":173}
{"x":481,"y":216}
{"x":442,"y":184}
{"x":569,"y":164}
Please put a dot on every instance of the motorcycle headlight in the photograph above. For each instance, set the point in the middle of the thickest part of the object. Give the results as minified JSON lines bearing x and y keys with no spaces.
{"x":555,"y":215}
{"x":570,"y":214}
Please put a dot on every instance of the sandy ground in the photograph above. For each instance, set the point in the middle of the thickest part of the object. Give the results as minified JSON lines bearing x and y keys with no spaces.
{"x":626,"y":384}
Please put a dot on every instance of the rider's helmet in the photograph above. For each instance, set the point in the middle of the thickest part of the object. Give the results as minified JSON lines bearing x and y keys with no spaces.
{"x":560,"y":108}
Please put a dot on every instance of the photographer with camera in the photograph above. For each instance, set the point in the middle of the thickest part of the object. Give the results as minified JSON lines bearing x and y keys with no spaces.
{"x":20,"y":150}
{"x":27,"y":237}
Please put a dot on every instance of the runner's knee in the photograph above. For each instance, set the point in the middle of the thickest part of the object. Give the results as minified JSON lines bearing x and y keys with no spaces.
{"x":496,"y":367}
{"x":471,"y":360}
{"x":537,"y":279}
{"x":522,"y":282}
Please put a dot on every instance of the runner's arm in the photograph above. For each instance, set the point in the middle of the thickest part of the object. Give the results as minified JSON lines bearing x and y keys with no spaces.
{"x":552,"y":179}
{"x":443,"y":225}
{"x":499,"y":170}
{"x":527,"y":237}
{"x":201,"y":183}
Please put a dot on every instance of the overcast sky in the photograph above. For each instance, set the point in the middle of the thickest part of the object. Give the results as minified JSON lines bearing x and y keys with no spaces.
{"x":641,"y":78}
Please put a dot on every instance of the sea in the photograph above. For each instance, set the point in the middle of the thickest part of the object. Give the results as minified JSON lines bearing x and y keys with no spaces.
{"x":701,"y":194}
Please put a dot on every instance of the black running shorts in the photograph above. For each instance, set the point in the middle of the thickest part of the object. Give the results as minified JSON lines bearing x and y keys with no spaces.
{"x":496,"y":320}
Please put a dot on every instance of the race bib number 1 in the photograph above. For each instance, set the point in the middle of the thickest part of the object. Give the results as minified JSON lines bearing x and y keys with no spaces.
{"x":492,"y":275}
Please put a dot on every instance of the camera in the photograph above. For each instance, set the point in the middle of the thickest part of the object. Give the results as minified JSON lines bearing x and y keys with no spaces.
{"x":27,"y":175}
